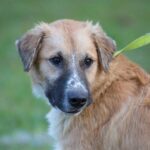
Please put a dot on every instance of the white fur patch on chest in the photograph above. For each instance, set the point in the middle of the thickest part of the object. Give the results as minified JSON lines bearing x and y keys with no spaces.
{"x":58,"y":123}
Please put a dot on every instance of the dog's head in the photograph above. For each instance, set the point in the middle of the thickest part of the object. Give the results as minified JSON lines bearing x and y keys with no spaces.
{"x":63,"y":59}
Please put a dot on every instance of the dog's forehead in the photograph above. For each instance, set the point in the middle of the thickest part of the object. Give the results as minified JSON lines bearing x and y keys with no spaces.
{"x":68,"y":37}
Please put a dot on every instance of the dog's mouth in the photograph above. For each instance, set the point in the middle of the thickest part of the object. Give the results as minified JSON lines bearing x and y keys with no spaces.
{"x":69,"y":111}
{"x":73,"y":111}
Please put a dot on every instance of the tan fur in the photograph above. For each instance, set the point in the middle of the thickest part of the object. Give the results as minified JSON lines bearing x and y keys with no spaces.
{"x":119,"y":117}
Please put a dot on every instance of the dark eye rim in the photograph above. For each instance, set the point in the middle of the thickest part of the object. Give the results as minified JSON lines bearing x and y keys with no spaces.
{"x":56,"y":60}
{"x":88,"y":61}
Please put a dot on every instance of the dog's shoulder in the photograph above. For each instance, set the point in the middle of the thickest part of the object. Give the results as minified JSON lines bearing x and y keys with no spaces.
{"x":132,"y":121}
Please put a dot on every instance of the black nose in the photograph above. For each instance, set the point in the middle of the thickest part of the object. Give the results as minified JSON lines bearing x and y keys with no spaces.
{"x":77,"y":102}
{"x":77,"y":99}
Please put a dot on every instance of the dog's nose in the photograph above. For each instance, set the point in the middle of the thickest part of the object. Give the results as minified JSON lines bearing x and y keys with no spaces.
{"x":77,"y":102}
{"x":77,"y":99}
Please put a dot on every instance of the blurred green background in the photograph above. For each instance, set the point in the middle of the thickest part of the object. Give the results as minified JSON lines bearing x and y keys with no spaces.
{"x":22,"y":118}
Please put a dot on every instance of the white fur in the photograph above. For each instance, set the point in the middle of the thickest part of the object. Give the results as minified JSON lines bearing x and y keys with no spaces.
{"x":38,"y":92}
{"x":74,"y":78}
{"x":58,"y":147}
{"x":58,"y":124}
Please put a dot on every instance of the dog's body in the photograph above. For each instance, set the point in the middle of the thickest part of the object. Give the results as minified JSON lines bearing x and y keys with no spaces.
{"x":118,"y":117}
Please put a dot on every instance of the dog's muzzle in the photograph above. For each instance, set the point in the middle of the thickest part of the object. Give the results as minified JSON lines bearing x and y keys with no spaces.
{"x":77,"y":99}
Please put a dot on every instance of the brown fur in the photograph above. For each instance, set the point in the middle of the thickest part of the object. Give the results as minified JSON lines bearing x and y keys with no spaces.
{"x":119,"y":117}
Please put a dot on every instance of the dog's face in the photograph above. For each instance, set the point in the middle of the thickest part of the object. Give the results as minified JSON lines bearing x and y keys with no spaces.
{"x":63,"y":59}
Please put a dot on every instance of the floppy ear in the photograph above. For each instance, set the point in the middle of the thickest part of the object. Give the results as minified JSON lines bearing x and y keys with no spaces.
{"x":105,"y":47}
{"x":29,"y":46}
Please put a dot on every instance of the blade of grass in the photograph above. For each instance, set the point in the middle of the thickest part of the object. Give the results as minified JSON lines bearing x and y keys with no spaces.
{"x":139,"y":42}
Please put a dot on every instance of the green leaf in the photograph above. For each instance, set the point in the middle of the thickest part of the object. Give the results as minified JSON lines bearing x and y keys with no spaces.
{"x":139,"y":42}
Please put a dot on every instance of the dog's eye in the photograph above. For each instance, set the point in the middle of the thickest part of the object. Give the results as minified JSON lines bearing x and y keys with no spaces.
{"x":57,"y":60}
{"x":88,"y":62}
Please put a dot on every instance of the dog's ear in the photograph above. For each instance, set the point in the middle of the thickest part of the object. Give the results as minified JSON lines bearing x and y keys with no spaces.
{"x":105,"y":47}
{"x":29,"y":46}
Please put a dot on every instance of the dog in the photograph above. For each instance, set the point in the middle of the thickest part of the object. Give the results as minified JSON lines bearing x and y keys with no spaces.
{"x":98,"y":102}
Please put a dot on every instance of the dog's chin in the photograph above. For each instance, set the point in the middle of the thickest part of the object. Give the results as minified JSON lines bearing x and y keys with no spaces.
{"x":70,"y":112}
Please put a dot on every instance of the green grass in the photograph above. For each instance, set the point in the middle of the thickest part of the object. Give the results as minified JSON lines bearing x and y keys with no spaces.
{"x":122,"y":20}
{"x":24,"y":147}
